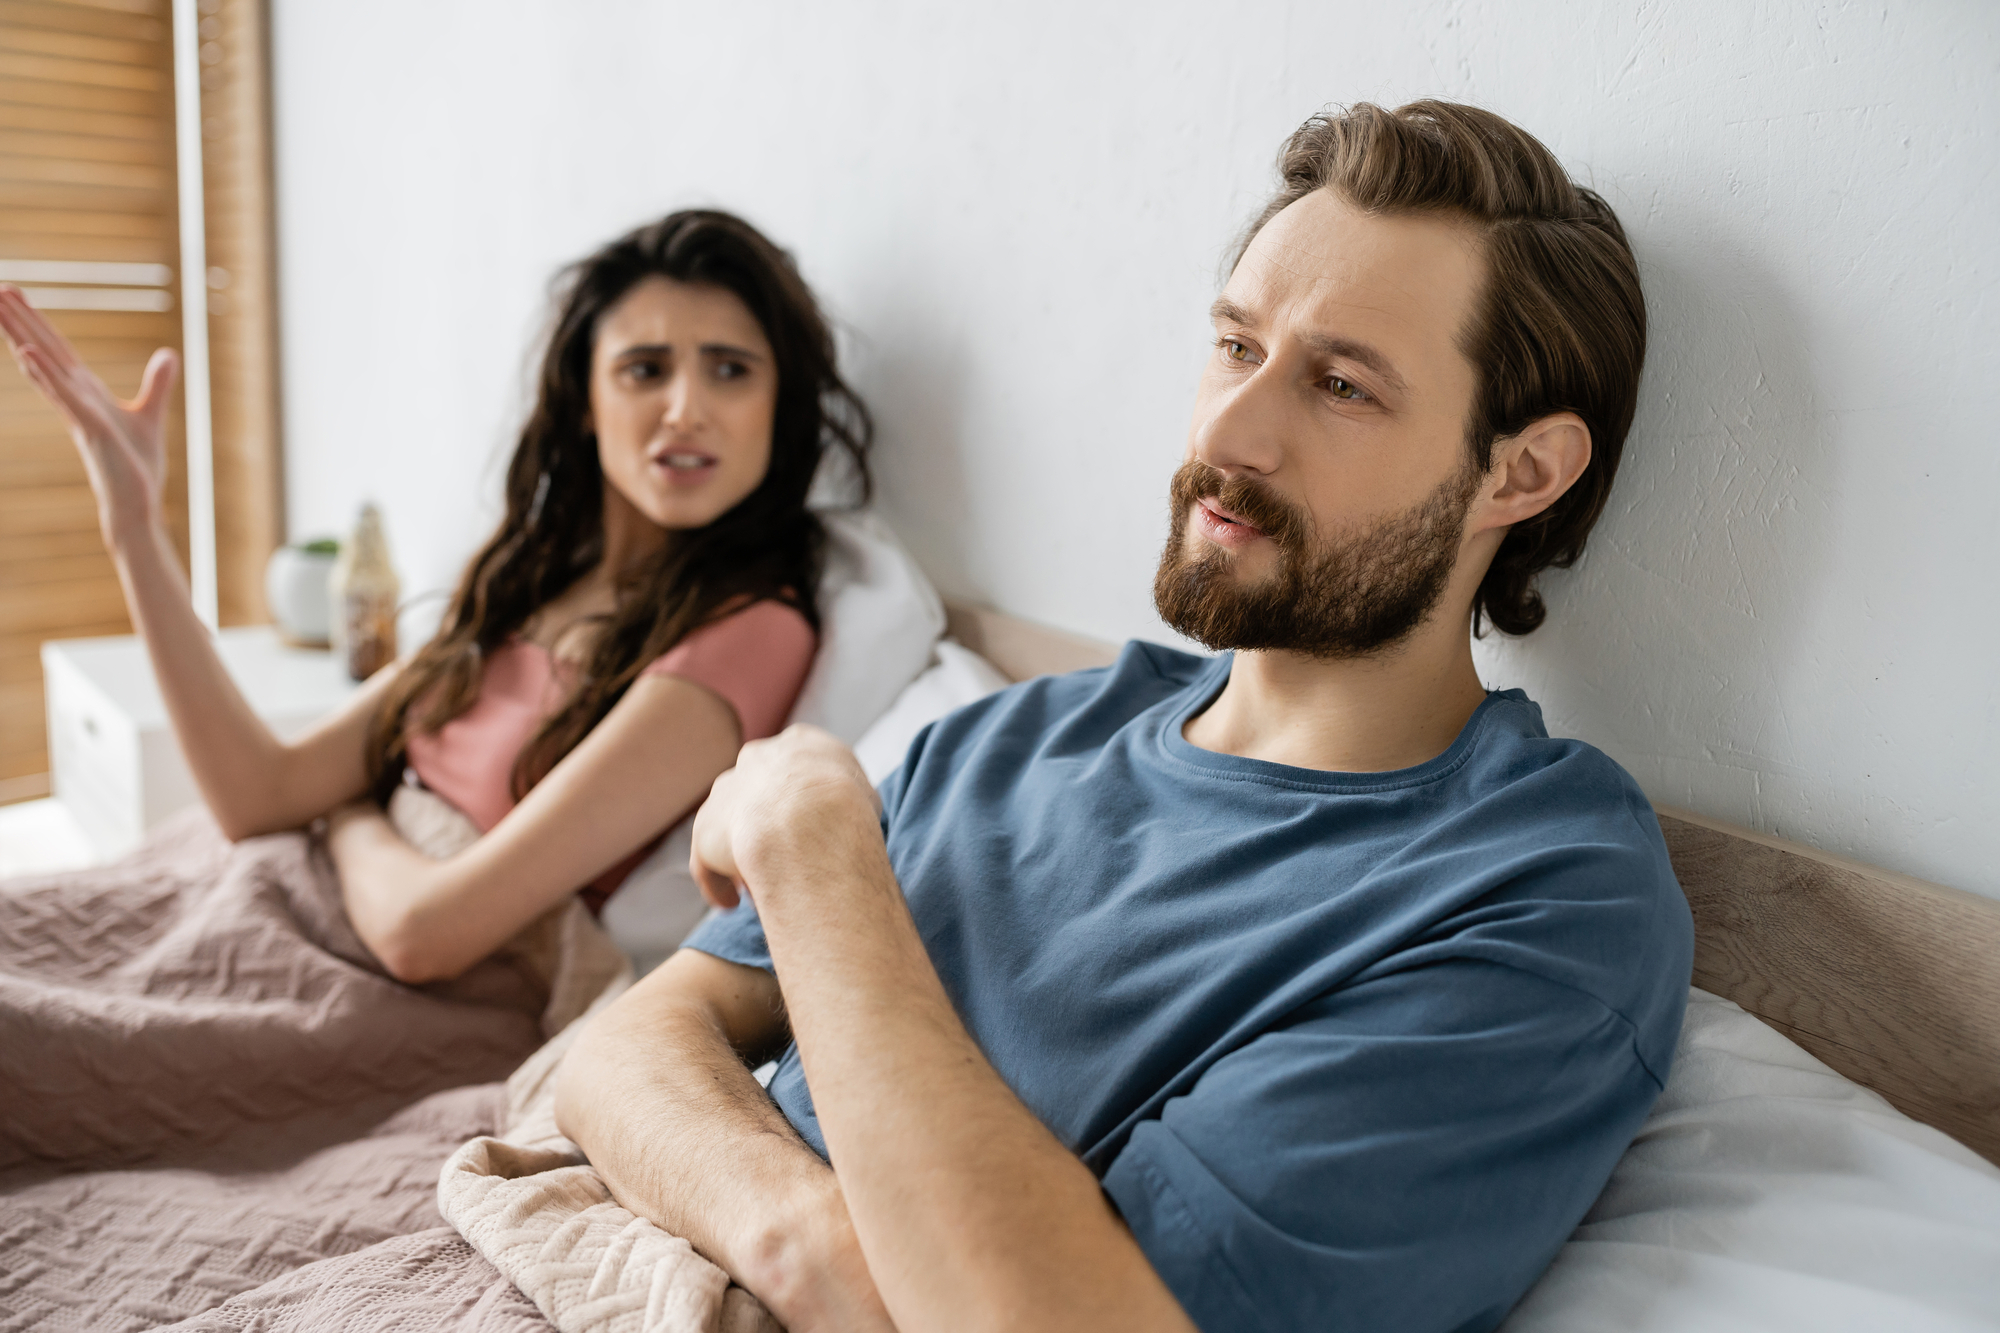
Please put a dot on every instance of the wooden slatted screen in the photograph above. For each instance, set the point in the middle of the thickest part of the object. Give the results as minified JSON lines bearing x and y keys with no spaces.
{"x":89,"y":218}
{"x":242,"y":309}
{"x":86,"y":176}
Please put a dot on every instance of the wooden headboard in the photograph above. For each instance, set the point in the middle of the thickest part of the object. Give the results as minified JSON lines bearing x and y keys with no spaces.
{"x":1891,"y":981}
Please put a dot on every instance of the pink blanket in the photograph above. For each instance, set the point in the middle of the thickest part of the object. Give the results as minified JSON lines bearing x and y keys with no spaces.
{"x":217,"y":1112}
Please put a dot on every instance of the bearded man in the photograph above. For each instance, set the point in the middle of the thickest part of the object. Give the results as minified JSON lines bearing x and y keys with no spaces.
{"x":1310,"y":985}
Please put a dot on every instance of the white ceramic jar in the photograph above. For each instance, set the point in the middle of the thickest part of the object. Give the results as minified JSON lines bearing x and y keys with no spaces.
{"x":295,"y":589}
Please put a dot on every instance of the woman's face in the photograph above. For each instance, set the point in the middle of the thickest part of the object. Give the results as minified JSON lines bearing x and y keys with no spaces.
{"x":683,"y":389}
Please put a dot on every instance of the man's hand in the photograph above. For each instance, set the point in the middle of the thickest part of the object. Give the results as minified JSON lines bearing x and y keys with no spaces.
{"x":800,"y":794}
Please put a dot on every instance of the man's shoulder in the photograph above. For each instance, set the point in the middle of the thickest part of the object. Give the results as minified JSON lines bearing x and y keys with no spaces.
{"x":1569,"y":876}
{"x":1141,"y":675}
{"x":1562,"y":799}
{"x":1077,"y":707}
{"x":1553,"y":783}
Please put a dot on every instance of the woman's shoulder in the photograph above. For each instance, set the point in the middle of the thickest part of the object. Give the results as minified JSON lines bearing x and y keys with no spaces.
{"x":756,"y":658}
{"x":766,"y":626}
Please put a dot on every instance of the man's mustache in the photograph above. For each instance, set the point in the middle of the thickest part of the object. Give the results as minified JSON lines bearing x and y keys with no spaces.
{"x":1247,"y":498}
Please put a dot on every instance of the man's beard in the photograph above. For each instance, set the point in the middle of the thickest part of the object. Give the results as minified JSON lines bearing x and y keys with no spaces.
{"x":1348,"y":596}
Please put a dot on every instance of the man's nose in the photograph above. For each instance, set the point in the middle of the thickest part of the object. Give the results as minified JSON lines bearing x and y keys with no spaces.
{"x":1239,"y":426}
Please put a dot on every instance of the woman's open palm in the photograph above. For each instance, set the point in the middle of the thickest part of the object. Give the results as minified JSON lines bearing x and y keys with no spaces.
{"x":123,"y":443}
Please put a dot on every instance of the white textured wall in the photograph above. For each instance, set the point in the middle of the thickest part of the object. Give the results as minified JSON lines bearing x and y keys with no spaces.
{"x":1788,"y":617}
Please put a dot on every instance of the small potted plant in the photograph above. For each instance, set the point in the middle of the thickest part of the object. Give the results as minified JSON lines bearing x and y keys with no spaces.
{"x":295,"y":590}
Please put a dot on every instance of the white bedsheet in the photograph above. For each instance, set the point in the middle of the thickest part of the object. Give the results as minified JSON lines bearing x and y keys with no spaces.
{"x":1766,"y":1193}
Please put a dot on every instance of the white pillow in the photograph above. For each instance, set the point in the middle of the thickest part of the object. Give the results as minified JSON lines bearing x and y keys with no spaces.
{"x":959,"y":677}
{"x":878,"y":618}
{"x":658,"y":904}
{"x":1767,"y":1193}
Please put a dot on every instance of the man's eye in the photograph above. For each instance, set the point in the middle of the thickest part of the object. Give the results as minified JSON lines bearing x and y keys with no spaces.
{"x":1234,"y":350}
{"x":1342,"y":389}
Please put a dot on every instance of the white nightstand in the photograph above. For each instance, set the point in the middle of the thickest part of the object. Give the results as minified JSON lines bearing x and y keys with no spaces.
{"x":112,"y":755}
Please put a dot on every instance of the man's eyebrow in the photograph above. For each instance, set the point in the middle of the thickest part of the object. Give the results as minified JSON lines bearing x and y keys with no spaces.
{"x":1359,"y":353}
{"x":1228,"y":312}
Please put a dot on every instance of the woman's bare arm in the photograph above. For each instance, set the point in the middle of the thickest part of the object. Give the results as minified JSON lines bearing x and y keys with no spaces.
{"x":652,"y":759}
{"x":252,"y":781}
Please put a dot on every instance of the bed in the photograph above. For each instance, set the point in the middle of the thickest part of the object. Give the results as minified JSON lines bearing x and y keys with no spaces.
{"x":1827,"y":1163}
{"x":1814,"y":1161}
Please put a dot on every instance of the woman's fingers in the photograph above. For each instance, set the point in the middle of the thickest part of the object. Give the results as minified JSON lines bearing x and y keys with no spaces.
{"x":26,"y":324}
{"x":120,"y":442}
{"x":84,"y":408}
{"x":43,"y":376}
{"x":156,"y":386}
{"x":59,"y":372}
{"x":11,"y":304}
{"x":20,"y":336}
{"x":65,"y":376}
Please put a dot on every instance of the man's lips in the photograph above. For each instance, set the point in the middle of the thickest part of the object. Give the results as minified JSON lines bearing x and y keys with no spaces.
{"x":1222,"y":527}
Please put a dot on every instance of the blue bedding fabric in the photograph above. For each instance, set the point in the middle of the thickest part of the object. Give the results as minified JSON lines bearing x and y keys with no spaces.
{"x":1347,"y":1050}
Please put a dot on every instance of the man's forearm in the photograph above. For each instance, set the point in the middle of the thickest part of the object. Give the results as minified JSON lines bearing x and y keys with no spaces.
{"x":971,"y":1214}
{"x":671,"y":1117}
{"x":970,"y":1211}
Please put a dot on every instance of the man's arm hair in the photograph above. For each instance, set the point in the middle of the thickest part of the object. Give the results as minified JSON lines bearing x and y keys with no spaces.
{"x":658,"y":1092}
{"x":972,"y":1214}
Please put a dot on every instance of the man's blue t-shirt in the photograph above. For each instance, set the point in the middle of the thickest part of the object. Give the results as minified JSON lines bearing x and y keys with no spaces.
{"x":1347,"y":1050}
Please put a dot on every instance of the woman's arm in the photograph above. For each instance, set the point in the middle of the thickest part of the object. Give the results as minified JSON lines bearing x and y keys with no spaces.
{"x":252,"y":781}
{"x":652,"y":758}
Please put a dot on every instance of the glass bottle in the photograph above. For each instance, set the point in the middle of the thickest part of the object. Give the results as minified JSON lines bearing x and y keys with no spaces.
{"x":364,"y":590}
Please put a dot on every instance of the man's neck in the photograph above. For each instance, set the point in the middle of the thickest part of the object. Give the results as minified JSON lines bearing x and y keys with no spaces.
{"x":1368,"y":715}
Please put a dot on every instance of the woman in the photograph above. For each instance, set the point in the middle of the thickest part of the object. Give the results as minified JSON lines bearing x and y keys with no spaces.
{"x":646,"y":606}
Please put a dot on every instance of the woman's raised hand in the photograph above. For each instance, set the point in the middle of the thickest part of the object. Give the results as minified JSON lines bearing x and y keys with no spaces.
{"x":123,"y":443}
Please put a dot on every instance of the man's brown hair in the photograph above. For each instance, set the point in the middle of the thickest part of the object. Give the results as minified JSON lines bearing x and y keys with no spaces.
{"x":1561,"y":322}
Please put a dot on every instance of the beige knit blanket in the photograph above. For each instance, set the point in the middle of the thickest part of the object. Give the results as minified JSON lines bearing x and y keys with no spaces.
{"x":528,"y":1200}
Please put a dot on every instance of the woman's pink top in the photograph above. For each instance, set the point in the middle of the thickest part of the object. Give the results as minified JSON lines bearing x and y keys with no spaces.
{"x":755,"y":659}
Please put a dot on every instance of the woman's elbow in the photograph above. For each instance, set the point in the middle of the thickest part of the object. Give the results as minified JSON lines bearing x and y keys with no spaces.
{"x":411,"y":959}
{"x":240,"y":820}
{"x":242,"y":830}
{"x":407,"y":966}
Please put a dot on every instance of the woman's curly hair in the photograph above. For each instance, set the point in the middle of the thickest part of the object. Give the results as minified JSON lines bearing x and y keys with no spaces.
{"x":768,"y":546}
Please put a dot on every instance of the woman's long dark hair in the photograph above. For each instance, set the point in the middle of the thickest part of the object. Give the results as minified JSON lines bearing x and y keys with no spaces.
{"x":769,"y":546}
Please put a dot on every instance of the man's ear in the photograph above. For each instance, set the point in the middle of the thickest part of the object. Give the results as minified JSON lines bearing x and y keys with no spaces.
{"x":1531,"y":470}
